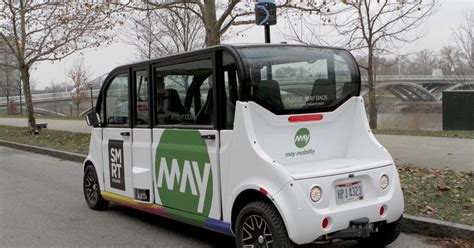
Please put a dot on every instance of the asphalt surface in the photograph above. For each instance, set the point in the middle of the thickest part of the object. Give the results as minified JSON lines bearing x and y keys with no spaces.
{"x":430,"y":152}
{"x":41,"y":205}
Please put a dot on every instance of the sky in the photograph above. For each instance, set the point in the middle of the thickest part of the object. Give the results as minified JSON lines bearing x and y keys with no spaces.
{"x":103,"y":59}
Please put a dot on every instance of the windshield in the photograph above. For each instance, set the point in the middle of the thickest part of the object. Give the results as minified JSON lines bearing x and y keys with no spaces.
{"x":300,"y":79}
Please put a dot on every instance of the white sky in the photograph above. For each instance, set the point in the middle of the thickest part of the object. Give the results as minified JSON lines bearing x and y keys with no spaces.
{"x":104,"y":59}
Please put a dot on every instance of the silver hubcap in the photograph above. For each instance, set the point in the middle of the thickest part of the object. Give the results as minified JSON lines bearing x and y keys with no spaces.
{"x":256,"y":233}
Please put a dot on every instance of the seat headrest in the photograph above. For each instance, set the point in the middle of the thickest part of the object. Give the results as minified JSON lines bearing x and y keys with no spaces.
{"x":268,"y":91}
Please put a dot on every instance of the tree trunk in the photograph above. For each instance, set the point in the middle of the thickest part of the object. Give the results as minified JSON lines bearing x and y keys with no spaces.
{"x":213,"y":36}
{"x":25,"y":77}
{"x":372,"y":99}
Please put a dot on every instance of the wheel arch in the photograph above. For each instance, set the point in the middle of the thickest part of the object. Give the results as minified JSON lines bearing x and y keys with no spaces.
{"x":248,"y":196}
{"x":87,"y":162}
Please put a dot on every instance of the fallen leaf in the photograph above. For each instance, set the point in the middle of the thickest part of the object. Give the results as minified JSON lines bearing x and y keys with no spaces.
{"x":442,"y":187}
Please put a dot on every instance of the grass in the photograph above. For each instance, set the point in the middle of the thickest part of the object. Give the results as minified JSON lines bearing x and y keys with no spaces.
{"x":440,"y":194}
{"x":59,"y":140}
{"x":446,"y":134}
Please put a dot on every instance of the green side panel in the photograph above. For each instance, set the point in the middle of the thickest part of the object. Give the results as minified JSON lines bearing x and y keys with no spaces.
{"x":184,"y":148}
{"x":458,"y":110}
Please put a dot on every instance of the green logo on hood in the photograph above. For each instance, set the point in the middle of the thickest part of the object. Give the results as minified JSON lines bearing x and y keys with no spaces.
{"x":302,"y":137}
{"x":183,"y":172}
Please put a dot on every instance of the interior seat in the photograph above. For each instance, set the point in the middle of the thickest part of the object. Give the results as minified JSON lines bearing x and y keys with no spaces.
{"x":268,"y":91}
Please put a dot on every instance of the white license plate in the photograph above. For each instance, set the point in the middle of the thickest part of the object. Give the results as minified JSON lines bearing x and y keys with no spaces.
{"x":348,"y":192}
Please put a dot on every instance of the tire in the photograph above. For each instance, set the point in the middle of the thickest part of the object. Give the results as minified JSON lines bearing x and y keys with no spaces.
{"x":259,"y":225}
{"x":90,"y":186}
{"x":385,"y":236}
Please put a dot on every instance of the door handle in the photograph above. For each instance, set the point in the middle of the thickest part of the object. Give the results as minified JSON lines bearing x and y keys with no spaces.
{"x":125,"y":134}
{"x":209,"y":136}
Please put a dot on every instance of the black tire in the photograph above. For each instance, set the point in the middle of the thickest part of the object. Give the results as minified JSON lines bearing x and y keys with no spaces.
{"x":263,"y":227}
{"x":90,"y":186}
{"x":385,"y":236}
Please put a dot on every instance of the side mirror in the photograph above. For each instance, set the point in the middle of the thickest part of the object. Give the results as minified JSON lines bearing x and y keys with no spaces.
{"x":93,"y":119}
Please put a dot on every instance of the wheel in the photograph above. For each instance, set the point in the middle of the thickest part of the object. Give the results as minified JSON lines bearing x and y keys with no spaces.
{"x":385,"y":236}
{"x":259,"y":225}
{"x":92,"y":191}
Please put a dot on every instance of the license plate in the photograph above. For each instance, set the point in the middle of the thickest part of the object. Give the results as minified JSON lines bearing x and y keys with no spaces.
{"x":349,"y":192}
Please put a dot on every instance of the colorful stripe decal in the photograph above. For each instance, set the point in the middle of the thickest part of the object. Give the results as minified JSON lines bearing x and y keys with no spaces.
{"x":218,"y":226}
{"x":192,"y":219}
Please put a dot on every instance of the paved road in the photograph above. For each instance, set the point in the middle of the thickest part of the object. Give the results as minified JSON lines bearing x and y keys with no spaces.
{"x":432,"y":152}
{"x":41,"y":205}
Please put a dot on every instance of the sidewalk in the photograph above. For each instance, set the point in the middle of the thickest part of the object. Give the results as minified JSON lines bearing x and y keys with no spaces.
{"x":79,"y":126}
{"x":430,"y":152}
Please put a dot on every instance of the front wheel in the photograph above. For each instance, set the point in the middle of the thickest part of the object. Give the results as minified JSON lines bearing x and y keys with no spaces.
{"x":386,"y":235}
{"x":92,"y":190}
{"x":259,"y":225}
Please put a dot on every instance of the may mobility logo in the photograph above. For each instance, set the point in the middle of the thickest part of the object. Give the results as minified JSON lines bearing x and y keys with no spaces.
{"x":301,"y":140}
{"x":116,"y":165}
{"x":184,"y":173}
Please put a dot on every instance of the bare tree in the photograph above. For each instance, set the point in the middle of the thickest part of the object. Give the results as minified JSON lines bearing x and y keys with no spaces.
{"x":423,"y":63}
{"x":80,"y":77}
{"x":36,"y":31}
{"x":450,"y":61}
{"x":161,"y":32}
{"x":7,"y":73}
{"x":463,"y":37}
{"x":371,"y":27}
{"x":218,"y":16}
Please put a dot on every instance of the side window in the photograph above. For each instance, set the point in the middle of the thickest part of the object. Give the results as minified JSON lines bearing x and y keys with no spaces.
{"x":141,"y":92}
{"x":116,"y":101}
{"x":231,"y":84}
{"x":184,"y":94}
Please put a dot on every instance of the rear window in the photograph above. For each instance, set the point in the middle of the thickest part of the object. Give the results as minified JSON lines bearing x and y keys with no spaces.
{"x":298,"y":79}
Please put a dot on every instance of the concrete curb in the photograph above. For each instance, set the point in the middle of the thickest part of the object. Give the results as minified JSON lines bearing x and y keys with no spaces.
{"x":45,"y":151}
{"x":410,"y":223}
{"x":436,"y":228}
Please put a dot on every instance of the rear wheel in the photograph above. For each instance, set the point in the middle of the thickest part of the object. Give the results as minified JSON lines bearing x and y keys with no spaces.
{"x":259,"y":225}
{"x":385,"y":236}
{"x":92,"y":190}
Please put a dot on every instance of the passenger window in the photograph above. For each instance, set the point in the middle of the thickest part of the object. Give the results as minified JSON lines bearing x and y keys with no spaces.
{"x":184,"y":94}
{"x":141,"y":89}
{"x":231,"y":84}
{"x":116,"y":101}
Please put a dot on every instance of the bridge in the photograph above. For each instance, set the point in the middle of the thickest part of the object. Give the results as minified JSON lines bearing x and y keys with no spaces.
{"x":60,"y":102}
{"x":415,"y":88}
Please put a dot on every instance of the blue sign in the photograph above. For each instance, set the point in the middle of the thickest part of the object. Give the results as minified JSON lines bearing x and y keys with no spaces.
{"x":265,"y":12}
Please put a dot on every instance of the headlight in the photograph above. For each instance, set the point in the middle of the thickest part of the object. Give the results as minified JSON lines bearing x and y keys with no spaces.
{"x":384,"y":181}
{"x":316,"y":193}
